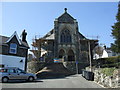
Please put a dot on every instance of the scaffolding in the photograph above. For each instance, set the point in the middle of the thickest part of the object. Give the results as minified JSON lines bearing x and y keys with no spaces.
{"x":37,"y":46}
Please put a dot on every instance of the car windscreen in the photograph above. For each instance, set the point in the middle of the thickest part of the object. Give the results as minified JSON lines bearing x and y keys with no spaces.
{"x":20,"y":71}
{"x":3,"y":70}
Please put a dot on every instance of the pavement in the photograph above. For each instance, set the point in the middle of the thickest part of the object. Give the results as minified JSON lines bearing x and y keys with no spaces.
{"x":73,"y":81}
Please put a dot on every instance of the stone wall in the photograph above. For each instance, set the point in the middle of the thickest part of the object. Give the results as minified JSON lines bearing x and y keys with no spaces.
{"x":34,"y":66}
{"x":107,"y":81}
{"x":70,"y":66}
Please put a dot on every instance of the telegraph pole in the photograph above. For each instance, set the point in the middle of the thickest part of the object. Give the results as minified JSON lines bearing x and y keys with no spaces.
{"x":76,"y":67}
{"x":90,"y":56}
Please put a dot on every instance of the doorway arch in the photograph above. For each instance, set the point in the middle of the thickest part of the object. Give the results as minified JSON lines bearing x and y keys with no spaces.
{"x":61,"y":53}
{"x":71,"y":56}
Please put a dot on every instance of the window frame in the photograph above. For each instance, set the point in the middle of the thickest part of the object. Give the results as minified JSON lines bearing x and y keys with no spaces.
{"x":65,"y":36}
{"x":11,"y":70}
{"x":13,"y":48}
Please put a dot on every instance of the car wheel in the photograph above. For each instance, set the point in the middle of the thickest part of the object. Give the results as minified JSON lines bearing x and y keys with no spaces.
{"x":5,"y":79}
{"x":31,"y":79}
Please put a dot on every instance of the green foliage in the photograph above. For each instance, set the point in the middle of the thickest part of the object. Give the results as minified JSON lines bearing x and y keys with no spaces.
{"x":109,"y":62}
{"x":113,"y":59}
{"x":116,"y":33}
{"x":112,"y":65}
{"x":108,"y":71}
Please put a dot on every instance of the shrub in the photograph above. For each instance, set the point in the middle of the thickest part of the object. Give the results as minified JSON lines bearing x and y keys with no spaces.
{"x":109,"y":62}
{"x":108,"y":71}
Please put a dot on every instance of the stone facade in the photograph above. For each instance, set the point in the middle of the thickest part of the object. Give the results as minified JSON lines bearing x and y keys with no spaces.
{"x":65,"y":42}
{"x":34,"y":66}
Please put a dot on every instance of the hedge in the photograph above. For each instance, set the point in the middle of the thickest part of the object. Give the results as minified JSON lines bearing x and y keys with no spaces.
{"x":109,"y":62}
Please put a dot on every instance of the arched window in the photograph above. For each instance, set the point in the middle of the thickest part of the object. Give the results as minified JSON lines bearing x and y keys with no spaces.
{"x":65,"y":36}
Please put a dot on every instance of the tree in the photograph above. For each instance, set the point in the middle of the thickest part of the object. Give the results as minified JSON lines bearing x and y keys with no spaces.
{"x":98,"y":50}
{"x":116,"y":33}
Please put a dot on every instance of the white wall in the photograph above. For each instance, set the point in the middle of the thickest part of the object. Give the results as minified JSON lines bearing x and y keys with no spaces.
{"x":105,"y":54}
{"x":96,"y":56}
{"x":12,"y":61}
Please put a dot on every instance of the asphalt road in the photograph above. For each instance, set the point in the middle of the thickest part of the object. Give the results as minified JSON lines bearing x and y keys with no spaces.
{"x":74,"y":81}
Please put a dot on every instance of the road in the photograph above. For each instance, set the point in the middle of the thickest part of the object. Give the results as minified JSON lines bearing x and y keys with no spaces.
{"x":74,"y":81}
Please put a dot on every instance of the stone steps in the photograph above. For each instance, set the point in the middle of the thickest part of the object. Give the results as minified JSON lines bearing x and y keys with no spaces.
{"x":54,"y":70}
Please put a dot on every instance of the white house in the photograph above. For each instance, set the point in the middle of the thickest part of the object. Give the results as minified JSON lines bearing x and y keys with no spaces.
{"x":13,"y":51}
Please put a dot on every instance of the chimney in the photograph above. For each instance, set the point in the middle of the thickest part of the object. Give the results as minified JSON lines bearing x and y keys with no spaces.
{"x":24,"y":36}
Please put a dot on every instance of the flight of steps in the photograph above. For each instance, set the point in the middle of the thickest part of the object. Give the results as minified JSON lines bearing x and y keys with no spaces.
{"x":54,"y":70}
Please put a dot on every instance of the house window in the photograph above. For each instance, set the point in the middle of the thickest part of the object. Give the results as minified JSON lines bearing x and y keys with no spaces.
{"x":13,"y":48}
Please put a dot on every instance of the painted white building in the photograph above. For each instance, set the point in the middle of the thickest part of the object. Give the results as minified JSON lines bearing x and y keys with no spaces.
{"x":13,"y":51}
{"x":96,"y":56}
{"x":105,"y":53}
{"x":13,"y":61}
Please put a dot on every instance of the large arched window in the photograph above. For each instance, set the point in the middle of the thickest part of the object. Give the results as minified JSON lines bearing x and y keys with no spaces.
{"x":65,"y":36}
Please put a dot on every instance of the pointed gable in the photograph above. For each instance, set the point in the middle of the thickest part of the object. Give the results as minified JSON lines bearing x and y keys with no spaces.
{"x":14,"y":34}
{"x":66,"y":18}
{"x":81,"y":36}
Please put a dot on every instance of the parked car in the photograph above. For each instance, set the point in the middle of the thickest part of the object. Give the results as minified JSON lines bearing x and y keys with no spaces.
{"x":13,"y":73}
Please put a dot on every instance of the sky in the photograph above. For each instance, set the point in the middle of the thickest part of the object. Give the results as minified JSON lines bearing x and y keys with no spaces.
{"x":37,"y":18}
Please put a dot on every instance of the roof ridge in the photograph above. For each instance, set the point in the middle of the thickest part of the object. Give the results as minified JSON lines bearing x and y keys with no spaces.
{"x":14,"y":34}
{"x":4,"y":36}
{"x":65,"y":18}
{"x":65,"y":13}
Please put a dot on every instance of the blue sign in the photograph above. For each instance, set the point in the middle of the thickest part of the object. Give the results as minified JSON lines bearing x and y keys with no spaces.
{"x":76,"y":62}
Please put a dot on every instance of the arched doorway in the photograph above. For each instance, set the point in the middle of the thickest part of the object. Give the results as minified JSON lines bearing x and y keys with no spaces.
{"x":71,"y":56}
{"x":61,"y":53}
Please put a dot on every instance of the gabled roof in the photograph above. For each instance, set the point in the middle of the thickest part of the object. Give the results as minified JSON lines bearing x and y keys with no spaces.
{"x":14,"y":34}
{"x":66,"y":18}
{"x":25,"y":44}
{"x":5,"y":40}
{"x":81,"y":36}
{"x":50,"y":35}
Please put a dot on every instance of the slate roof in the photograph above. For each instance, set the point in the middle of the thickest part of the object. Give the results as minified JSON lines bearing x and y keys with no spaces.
{"x":4,"y":39}
{"x":81,"y":36}
{"x":50,"y":35}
